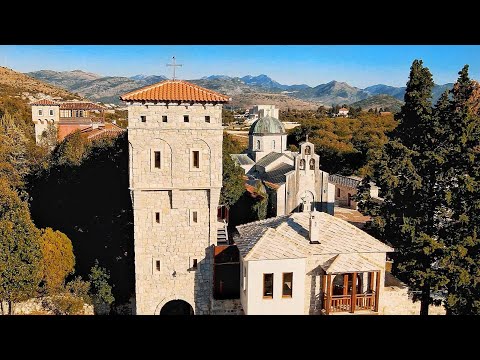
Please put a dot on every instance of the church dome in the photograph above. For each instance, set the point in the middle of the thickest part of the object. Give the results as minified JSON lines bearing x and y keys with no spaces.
{"x":267,"y":125}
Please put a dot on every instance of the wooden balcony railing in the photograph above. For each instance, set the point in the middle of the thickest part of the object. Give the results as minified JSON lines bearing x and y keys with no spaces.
{"x":343,"y":303}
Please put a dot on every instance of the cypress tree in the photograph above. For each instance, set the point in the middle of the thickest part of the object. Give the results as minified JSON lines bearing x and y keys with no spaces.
{"x":409,"y":173}
{"x":462,"y":197}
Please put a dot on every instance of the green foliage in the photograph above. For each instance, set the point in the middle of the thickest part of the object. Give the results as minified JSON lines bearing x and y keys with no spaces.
{"x":13,"y":149}
{"x":90,"y":203}
{"x":58,"y":260}
{"x":49,"y":138}
{"x":227,"y":117}
{"x":461,"y":121}
{"x":345,"y":145}
{"x":101,"y":290}
{"x":408,"y":173}
{"x":233,"y":184}
{"x":260,"y":207}
{"x":20,"y":254}
{"x":72,"y":150}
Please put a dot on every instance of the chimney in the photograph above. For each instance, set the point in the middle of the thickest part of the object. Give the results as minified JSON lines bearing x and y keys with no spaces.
{"x":314,"y":227}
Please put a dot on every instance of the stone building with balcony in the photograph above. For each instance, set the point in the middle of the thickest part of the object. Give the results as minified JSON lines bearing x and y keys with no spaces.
{"x":66,"y":116}
{"x":310,"y":263}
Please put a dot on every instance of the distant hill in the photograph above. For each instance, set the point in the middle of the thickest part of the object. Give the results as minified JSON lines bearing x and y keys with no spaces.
{"x":19,"y":85}
{"x":396,"y":92}
{"x":333,"y":92}
{"x":379,"y":101}
{"x":108,"y":89}
{"x":399,"y":92}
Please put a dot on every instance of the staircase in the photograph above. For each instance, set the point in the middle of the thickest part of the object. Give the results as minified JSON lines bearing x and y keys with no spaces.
{"x":222,"y":234}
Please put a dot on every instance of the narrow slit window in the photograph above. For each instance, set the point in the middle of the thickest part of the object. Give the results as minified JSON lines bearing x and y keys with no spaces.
{"x":186,"y":118}
{"x":207,"y":119}
{"x":287,"y":286}
{"x":196,"y":159}
{"x":268,"y":286}
{"x":164,"y":118}
{"x":195,"y":217}
{"x":157,"y":265}
{"x":143,"y":118}
{"x":158,"y":161}
{"x":338,"y":192}
{"x":157,"y":217}
{"x":194,"y":264}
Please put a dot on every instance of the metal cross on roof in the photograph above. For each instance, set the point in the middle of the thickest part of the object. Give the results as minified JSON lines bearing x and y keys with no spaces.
{"x":174,"y":65}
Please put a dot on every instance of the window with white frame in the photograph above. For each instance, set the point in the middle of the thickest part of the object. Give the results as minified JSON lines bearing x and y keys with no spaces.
{"x":51,"y":112}
{"x":40,"y":112}
{"x":194,"y":217}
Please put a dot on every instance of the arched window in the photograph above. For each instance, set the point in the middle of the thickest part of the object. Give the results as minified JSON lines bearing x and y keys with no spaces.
{"x":302,"y":164}
{"x":312,"y":164}
{"x":273,"y":144}
{"x":308,"y":151}
{"x":258,"y":144}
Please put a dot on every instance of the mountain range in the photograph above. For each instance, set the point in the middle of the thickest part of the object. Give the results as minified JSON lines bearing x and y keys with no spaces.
{"x":247,"y":88}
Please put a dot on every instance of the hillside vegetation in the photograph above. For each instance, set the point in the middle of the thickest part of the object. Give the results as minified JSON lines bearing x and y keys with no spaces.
{"x":345,"y":145}
{"x":386,"y":102}
{"x":13,"y":83}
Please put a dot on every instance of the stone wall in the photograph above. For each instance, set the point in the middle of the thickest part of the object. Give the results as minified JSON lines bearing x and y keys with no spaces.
{"x":227,"y":307}
{"x":397,"y":301}
{"x":39,"y":306}
{"x":342,"y":198}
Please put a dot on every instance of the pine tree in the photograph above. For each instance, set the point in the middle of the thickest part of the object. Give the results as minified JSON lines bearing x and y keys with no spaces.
{"x":20,"y":254}
{"x":462,"y":198}
{"x":409,"y":173}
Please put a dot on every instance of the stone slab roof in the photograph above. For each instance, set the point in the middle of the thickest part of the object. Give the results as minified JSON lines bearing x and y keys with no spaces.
{"x":343,"y":263}
{"x":277,"y":174}
{"x":174,"y":90}
{"x":268,"y":159}
{"x":242,"y":159}
{"x":348,"y":181}
{"x":287,"y":237}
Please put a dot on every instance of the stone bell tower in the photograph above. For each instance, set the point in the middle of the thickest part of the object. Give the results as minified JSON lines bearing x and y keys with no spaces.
{"x":175,"y":160}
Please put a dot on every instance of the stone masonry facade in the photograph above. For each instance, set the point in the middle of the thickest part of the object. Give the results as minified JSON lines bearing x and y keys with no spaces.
{"x":175,"y":205}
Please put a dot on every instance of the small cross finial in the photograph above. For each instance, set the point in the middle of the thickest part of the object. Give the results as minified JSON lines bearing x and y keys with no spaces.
{"x":174,"y":65}
{"x":306,"y":138}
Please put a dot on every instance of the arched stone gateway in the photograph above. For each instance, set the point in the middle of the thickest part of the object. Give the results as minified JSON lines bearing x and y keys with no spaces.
{"x":177,"y":307}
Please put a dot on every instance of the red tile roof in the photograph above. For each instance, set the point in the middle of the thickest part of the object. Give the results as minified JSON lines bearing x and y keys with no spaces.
{"x":44,"y":102}
{"x":76,"y":105}
{"x":106,"y":129}
{"x":174,"y":90}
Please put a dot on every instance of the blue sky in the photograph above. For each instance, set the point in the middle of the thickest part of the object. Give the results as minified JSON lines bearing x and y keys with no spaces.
{"x":358,"y":65}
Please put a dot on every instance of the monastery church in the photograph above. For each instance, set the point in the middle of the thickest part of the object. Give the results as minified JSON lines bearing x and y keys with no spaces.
{"x":303,"y":261}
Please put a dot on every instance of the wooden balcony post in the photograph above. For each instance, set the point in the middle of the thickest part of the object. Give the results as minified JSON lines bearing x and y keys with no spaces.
{"x":329,"y":294}
{"x":345,"y":284}
{"x":372,"y":280}
{"x":377,"y":291}
{"x":354,"y":293}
